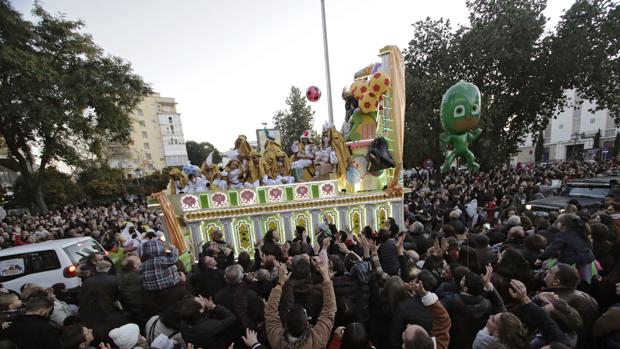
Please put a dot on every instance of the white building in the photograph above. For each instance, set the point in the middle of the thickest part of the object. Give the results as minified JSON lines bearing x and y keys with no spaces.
{"x":157,"y":139}
{"x":572,"y":132}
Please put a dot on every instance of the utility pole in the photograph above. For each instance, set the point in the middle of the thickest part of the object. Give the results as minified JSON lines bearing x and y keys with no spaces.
{"x":327,"y":74}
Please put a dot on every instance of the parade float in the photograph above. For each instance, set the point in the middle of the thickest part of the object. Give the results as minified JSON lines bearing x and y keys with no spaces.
{"x":364,"y":187}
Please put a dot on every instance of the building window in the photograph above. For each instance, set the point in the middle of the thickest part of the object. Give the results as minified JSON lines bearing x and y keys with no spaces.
{"x":561,"y":126}
{"x":151,"y":167}
{"x":593,"y":120}
{"x":171,"y":141}
{"x":144,"y":134}
{"x":142,"y":124}
{"x":140,"y":113}
{"x":147,"y":146}
{"x":148,"y":156}
{"x":170,"y":119}
{"x":171,"y":129}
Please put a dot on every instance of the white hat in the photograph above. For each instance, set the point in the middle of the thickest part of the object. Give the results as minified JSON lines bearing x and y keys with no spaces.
{"x":162,"y":342}
{"x":126,"y":336}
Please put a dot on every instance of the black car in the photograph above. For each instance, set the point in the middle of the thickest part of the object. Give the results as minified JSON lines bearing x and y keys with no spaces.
{"x":590,"y":193}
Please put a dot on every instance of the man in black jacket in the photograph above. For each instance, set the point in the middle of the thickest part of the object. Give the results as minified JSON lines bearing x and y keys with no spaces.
{"x":33,"y":329}
{"x":103,"y":280}
{"x":205,"y":323}
{"x":207,"y":279}
{"x":246,"y":304}
{"x":471,"y":307}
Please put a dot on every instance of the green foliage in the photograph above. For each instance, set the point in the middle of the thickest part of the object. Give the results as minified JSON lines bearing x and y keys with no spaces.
{"x":587,"y":52}
{"x":197,"y":152}
{"x":597,"y":140}
{"x":429,"y":71}
{"x":59,"y":94}
{"x":539,"y":151}
{"x":102,"y":183}
{"x":155,"y":182}
{"x":59,"y":189}
{"x":522,"y":72}
{"x":295,"y":120}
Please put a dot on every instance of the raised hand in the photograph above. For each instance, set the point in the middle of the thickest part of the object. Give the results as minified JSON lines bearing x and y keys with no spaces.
{"x":486,"y":278}
{"x":250,"y":338}
{"x":518,"y":291}
{"x":283,"y":274}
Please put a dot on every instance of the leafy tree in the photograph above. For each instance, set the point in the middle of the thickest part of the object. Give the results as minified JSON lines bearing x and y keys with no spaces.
{"x":429,"y":67}
{"x":539,"y":151}
{"x":617,"y":145}
{"x":156,"y":181}
{"x":597,"y":140}
{"x":586,"y":50}
{"x":197,"y":152}
{"x":59,"y":189}
{"x":522,"y":71}
{"x":59,"y":94}
{"x":295,"y":120}
{"x":102,"y":183}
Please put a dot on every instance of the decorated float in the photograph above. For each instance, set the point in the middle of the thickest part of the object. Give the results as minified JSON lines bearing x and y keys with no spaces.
{"x":361,"y":186}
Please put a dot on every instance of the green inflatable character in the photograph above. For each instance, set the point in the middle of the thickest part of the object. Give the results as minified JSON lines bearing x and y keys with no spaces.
{"x":460,"y":114}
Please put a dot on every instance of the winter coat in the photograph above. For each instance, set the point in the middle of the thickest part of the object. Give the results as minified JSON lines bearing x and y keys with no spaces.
{"x":585,"y":305}
{"x":208,"y":332}
{"x":206,"y":282}
{"x":32,"y":332}
{"x":570,"y":248}
{"x":154,"y":327}
{"x":469,"y":314}
{"x":108,"y":283}
{"x":388,"y":256}
{"x":131,"y":294}
{"x":409,"y":311}
{"x":244,"y":303}
{"x":318,"y":335}
{"x":608,"y":327}
{"x":62,"y":310}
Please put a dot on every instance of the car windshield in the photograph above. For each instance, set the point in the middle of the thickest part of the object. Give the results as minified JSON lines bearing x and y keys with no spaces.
{"x":80,"y":250}
{"x":594,"y":193}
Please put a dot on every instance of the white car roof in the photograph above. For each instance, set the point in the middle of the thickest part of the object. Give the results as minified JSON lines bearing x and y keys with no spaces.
{"x":45,"y":245}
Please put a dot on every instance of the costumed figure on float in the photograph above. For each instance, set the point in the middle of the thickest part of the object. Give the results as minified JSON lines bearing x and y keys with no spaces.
{"x":334,"y":154}
{"x":460,"y":114}
{"x":255,"y":173}
{"x":277,"y":163}
{"x":304,"y":152}
{"x":234,"y":174}
{"x":196,"y":183}
{"x":178,"y":182}
{"x":211,"y":172}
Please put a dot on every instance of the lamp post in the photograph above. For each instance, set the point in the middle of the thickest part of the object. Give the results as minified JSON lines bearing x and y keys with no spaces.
{"x":327,"y":74}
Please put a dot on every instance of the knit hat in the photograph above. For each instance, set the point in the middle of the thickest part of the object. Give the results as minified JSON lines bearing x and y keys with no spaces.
{"x":162,"y":342}
{"x":126,"y":336}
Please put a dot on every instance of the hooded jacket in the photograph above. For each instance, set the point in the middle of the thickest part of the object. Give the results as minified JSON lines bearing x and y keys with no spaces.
{"x":159,"y":269}
{"x":469,"y":314}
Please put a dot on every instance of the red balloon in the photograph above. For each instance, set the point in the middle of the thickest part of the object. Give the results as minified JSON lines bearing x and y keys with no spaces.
{"x":313,"y":93}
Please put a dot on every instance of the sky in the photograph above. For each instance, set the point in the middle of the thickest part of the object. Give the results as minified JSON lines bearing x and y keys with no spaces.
{"x":230,"y":64}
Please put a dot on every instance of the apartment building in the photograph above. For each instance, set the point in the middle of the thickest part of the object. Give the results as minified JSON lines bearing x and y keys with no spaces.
{"x":157,"y":139}
{"x":571,"y":134}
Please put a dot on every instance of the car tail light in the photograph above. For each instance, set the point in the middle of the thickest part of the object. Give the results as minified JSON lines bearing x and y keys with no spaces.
{"x":70,"y":271}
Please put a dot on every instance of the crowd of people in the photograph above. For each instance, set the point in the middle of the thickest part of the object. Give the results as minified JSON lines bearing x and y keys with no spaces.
{"x":470,"y":268}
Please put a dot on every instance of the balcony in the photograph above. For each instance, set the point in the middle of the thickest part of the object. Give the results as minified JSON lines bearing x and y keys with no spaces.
{"x":607,"y":133}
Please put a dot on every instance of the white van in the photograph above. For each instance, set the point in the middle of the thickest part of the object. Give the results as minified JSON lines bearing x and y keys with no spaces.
{"x":46,"y":263}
